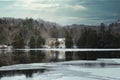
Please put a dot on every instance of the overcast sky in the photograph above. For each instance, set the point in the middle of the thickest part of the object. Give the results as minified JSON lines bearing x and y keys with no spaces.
{"x":63,"y":11}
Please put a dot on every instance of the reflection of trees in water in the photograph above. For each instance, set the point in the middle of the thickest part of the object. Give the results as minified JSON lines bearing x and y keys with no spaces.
{"x":80,"y":56}
{"x":31,"y":57}
{"x":5,"y":58}
{"x":86,"y":55}
{"x":21,"y":57}
{"x":68,"y":56}
{"x":27,"y":73}
{"x":37,"y":56}
{"x":94,"y":55}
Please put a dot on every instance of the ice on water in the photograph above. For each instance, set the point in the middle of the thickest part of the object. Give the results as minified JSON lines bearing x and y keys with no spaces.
{"x":67,"y":71}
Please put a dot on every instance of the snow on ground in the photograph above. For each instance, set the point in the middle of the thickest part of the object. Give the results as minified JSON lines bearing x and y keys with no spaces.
{"x":68,"y":71}
{"x":66,"y":49}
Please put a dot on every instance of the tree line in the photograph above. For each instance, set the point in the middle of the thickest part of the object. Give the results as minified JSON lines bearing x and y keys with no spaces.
{"x":34,"y":33}
{"x":103,"y":37}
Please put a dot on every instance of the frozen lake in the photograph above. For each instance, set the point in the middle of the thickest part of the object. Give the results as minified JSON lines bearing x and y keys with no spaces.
{"x":103,"y":69}
{"x":59,"y":64}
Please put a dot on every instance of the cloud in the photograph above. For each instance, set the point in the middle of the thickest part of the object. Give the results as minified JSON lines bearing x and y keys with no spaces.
{"x":63,"y":11}
{"x":38,"y":5}
{"x":7,"y":0}
{"x":76,"y":7}
{"x":45,"y":5}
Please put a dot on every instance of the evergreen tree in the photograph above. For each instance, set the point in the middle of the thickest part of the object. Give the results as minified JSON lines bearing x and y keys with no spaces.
{"x":40,"y":42}
{"x":102,"y":27}
{"x":68,"y":40}
{"x":82,"y":39}
{"x":32,"y":42}
{"x":101,"y":36}
{"x":54,"y":32}
{"x":18,"y":41}
{"x":92,"y":39}
{"x":2,"y":39}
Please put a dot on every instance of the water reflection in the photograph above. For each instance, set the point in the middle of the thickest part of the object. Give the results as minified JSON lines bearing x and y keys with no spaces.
{"x":23,"y":57}
{"x":37,"y":56}
{"x":95,"y":65}
{"x":68,"y":56}
{"x":32,"y":56}
{"x":28,"y":73}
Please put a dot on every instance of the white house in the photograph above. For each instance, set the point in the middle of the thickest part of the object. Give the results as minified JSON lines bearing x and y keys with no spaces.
{"x":3,"y":46}
{"x":56,"y":43}
{"x":62,"y":42}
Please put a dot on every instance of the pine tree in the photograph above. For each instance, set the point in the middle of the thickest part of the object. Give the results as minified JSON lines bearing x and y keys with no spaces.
{"x":32,"y":42}
{"x":18,"y":41}
{"x":40,"y":42}
{"x":82,"y":39}
{"x":68,"y":40}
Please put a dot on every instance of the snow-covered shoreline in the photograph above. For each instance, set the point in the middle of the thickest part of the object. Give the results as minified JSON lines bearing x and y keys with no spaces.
{"x":65,"y":49}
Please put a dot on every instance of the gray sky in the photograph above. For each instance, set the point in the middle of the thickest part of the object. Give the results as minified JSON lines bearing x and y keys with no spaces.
{"x":63,"y":11}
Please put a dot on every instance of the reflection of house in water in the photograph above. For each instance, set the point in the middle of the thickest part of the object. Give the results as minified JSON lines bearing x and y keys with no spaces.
{"x":55,"y":55}
{"x":5,"y":48}
{"x":61,"y":56}
{"x":56,"y":43}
